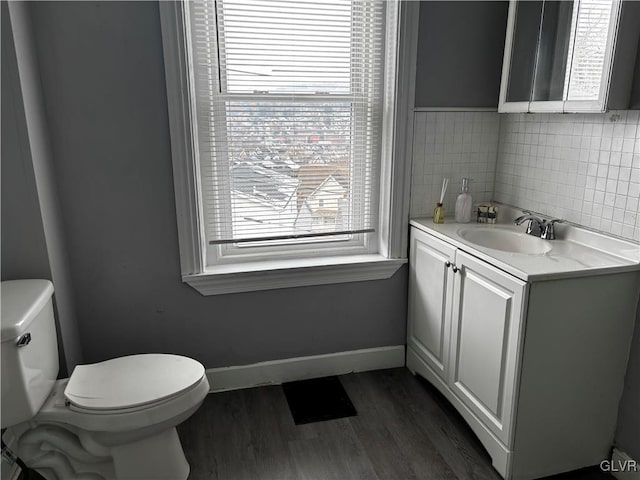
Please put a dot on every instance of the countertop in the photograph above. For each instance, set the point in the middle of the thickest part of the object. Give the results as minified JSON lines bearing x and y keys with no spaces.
{"x":576,"y":252}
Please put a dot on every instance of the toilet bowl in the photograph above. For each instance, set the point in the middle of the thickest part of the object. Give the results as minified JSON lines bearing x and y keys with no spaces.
{"x":112,"y":420}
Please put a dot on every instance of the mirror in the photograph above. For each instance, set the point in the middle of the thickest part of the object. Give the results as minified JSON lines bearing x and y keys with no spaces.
{"x":553,"y":49}
{"x":524,"y":49}
{"x":558,"y":55}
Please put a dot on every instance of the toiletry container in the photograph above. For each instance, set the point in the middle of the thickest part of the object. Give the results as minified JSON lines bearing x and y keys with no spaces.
{"x":463,"y":203}
{"x":438,"y":213}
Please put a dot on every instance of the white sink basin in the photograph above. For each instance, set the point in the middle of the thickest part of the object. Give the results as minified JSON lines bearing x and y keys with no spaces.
{"x":505,"y":240}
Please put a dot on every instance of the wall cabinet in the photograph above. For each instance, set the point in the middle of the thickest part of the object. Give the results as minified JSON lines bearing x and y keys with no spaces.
{"x":536,"y":369}
{"x":559,"y":56}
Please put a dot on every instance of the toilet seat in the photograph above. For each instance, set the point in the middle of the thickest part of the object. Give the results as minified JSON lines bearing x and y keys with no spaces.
{"x":131,"y":383}
{"x":171,"y":410}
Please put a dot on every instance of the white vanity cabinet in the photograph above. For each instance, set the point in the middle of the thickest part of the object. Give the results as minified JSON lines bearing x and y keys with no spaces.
{"x":464,"y":322}
{"x":535,"y":368}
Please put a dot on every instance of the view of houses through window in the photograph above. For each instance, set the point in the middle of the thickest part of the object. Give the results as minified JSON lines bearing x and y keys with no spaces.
{"x":287,"y":176}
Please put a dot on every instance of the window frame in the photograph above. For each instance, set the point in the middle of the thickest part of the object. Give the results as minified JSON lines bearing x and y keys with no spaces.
{"x":221,"y":92}
{"x":395,"y":168}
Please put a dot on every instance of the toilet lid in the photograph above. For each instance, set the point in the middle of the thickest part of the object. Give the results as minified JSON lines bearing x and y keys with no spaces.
{"x":131,"y":381}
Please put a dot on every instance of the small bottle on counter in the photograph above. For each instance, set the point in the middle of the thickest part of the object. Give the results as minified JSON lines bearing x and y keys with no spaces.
{"x":464,"y":203}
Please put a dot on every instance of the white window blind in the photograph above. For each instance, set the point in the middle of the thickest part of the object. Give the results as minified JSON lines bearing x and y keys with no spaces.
{"x":287,"y":103}
{"x":592,"y":21}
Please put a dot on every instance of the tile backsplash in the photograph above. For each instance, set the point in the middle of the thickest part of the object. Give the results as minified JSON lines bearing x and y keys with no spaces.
{"x":584,"y":168}
{"x":453,"y":145}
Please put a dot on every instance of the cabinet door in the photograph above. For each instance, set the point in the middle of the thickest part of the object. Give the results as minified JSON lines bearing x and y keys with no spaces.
{"x":488,"y":308}
{"x":430,"y":293}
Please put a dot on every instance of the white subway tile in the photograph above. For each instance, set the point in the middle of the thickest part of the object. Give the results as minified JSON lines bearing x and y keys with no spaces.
{"x":580,"y":166}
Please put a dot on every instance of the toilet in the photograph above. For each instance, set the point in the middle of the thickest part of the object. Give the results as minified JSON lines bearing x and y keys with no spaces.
{"x":111,"y":420}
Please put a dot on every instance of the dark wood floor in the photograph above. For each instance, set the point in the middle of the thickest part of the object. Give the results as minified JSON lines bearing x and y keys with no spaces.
{"x":404,"y":430}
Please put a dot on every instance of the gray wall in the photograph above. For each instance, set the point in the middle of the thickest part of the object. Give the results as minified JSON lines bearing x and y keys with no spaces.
{"x":32,"y":236}
{"x":625,"y":75}
{"x":635,"y":92}
{"x":628,"y":434}
{"x":460,"y":48}
{"x":103,"y":82}
{"x":24,"y":251}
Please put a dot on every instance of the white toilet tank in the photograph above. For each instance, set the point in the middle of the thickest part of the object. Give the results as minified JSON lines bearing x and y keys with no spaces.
{"x":29,"y":348}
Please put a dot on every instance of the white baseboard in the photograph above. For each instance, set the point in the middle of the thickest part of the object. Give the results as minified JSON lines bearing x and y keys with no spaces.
{"x":301,"y":368}
{"x":620,"y":460}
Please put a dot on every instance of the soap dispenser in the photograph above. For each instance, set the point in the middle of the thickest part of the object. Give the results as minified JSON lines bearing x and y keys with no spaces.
{"x":463,"y":203}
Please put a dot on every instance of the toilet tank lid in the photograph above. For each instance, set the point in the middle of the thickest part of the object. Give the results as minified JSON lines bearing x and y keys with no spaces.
{"x":21,"y":301}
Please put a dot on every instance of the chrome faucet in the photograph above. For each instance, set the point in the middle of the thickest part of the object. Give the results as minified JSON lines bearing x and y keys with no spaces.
{"x":534,"y":227}
{"x":548,"y":232}
{"x":537,"y":226}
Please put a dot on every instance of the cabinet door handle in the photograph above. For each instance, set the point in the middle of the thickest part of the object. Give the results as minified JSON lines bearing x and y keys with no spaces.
{"x":447,"y":264}
{"x":455,"y":269}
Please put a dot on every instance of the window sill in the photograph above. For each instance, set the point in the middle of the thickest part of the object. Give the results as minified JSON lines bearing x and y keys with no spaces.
{"x":269,"y":275}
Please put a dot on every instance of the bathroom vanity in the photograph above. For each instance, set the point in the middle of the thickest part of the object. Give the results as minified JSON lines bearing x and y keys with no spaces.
{"x":527,"y":338}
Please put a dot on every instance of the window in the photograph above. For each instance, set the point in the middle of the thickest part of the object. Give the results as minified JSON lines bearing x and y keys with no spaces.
{"x":281,"y":105}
